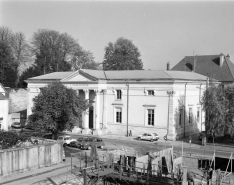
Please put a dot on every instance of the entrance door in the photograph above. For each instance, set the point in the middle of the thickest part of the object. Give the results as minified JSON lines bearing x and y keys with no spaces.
{"x":91,"y":117}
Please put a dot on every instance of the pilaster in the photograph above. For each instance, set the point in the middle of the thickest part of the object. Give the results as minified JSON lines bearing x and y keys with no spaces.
{"x":171,"y":135}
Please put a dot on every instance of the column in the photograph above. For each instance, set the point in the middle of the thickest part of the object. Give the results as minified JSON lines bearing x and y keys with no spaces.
{"x":170,"y":122}
{"x":96,"y":114}
{"x":86,"y":115}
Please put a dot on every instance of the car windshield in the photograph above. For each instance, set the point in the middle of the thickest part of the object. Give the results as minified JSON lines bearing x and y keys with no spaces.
{"x":67,"y":138}
{"x":155,"y":134}
{"x":91,"y":139}
{"x":86,"y":140}
{"x":60,"y":138}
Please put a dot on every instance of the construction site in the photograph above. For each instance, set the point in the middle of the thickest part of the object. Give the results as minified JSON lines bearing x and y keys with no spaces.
{"x":162,"y":167}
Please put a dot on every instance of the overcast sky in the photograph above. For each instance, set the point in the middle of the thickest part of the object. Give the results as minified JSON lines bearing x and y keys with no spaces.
{"x":162,"y":31}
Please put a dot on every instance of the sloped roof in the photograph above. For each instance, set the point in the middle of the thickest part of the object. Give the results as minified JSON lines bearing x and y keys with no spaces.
{"x":2,"y":97}
{"x":208,"y":65}
{"x":124,"y":75}
{"x":52,"y":76}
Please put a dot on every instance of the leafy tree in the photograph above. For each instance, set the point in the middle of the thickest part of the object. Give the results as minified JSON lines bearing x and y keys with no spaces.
{"x":53,"y":50}
{"x":56,"y":108}
{"x":229,"y":109}
{"x":8,"y":67}
{"x":15,"y":52}
{"x":213,"y":102}
{"x":122,"y":55}
{"x":84,"y":60}
{"x":29,"y":73}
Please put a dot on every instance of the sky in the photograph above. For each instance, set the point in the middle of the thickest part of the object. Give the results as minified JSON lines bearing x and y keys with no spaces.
{"x":163,"y":31}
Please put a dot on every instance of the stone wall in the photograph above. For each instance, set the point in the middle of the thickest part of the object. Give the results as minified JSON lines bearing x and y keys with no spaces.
{"x":28,"y":158}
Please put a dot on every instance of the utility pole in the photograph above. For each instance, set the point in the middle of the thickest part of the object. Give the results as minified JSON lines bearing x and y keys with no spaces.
{"x":185,"y":107}
{"x":127,"y":105}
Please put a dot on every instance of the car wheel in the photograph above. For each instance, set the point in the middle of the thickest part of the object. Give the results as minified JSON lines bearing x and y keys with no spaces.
{"x":89,"y":147}
{"x":139,"y":138}
{"x":65,"y":144}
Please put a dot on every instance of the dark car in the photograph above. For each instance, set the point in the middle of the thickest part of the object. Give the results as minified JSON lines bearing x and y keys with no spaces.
{"x":16,"y":125}
{"x":78,"y":142}
{"x":87,"y":145}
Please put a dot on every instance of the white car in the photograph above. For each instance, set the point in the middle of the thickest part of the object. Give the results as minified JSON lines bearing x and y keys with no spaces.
{"x":148,"y":136}
{"x":66,"y":140}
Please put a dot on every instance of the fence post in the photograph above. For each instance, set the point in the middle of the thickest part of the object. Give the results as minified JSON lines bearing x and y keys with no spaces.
{"x":184,"y":182}
{"x":71,"y":162}
{"x":85,"y":176}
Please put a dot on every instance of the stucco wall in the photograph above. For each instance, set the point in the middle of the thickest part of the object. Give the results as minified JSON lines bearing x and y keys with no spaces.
{"x":193,"y":94}
{"x":4,"y":114}
{"x":29,"y":158}
{"x":18,"y":100}
{"x":139,"y":102}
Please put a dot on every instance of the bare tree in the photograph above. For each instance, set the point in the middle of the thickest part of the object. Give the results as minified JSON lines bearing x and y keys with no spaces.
{"x":21,"y":51}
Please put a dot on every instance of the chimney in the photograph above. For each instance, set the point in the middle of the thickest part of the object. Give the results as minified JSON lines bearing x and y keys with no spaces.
{"x":221,"y":59}
{"x":168,"y":66}
{"x":194,"y":63}
{"x":228,"y":56}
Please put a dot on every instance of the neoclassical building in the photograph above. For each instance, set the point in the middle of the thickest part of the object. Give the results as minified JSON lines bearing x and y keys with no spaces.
{"x":140,"y":101}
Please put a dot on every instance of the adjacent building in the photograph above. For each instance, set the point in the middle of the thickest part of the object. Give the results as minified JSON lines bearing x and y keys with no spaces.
{"x":217,"y":67}
{"x":4,"y":108}
{"x":140,"y":101}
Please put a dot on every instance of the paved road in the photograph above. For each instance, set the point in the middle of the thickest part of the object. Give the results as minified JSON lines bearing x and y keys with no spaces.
{"x":142,"y":147}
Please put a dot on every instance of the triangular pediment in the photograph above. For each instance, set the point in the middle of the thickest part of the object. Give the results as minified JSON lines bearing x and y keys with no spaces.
{"x":76,"y":77}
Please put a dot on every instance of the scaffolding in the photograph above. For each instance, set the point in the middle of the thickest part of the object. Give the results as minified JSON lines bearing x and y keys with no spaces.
{"x":154,"y":168}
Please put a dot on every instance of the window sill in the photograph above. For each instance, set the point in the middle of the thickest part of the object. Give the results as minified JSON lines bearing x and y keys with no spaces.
{"x":117,"y":104}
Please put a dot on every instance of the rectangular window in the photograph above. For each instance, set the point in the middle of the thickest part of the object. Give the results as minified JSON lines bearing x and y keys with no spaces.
{"x":190,"y":115}
{"x":181,"y":112}
{"x":150,"y":116}
{"x":118,"y":115}
{"x":198,"y":114}
{"x":119,"y":94}
{"x":150,"y":92}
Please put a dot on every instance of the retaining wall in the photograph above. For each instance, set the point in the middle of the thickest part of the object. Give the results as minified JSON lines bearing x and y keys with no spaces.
{"x":28,"y":158}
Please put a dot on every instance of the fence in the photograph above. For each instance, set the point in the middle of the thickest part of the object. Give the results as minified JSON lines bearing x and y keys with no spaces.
{"x":31,"y":157}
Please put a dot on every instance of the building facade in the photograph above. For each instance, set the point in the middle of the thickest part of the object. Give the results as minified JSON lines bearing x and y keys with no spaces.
{"x":4,"y":109}
{"x":162,"y":102}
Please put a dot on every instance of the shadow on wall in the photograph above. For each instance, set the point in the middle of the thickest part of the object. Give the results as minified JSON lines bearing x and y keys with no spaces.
{"x":184,"y":121}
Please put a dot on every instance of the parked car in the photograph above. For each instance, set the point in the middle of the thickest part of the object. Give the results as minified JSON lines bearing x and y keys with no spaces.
{"x":87,"y":144}
{"x":78,"y":142}
{"x":148,"y":136}
{"x":16,"y":125}
{"x":66,"y":140}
